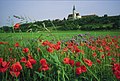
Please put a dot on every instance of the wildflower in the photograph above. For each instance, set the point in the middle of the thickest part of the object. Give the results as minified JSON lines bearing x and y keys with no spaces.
{"x":44,"y":67}
{"x":113,"y":59}
{"x":32,"y":61}
{"x":10,"y":49}
{"x":88,"y":62}
{"x":58,"y":43}
{"x":94,"y":54}
{"x":17,"y":26}
{"x":56,"y":47}
{"x":28,"y":64}
{"x":30,"y":56}
{"x":15,"y":69}
{"x":44,"y":64}
{"x":26,"y":50}
{"x":77,"y":64}
{"x":66,"y":60}
{"x":49,"y":49}
{"x":45,"y":43}
{"x":117,"y":74}
{"x":116,"y":70}
{"x":108,"y":54}
{"x":107,"y":48}
{"x":3,"y":65}
{"x":43,"y":61}
{"x":23,"y":59}
{"x":71,"y":62}
{"x":83,"y":68}
{"x":1,"y":59}
{"x":93,"y":48}
{"x":98,"y":61}
{"x":102,"y":56}
{"x":16,"y":44}
{"x":78,"y":70}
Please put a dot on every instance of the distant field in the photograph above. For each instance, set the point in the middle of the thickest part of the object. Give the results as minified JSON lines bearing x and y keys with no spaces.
{"x":55,"y":34}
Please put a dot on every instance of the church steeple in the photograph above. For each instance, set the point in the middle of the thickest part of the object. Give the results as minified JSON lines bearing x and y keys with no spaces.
{"x":74,"y":13}
{"x":74,"y":7}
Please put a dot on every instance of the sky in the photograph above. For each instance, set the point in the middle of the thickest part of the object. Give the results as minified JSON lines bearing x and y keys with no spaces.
{"x":54,"y":9}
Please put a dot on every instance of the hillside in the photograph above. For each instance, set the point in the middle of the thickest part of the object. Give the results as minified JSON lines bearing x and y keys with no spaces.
{"x":85,"y":23}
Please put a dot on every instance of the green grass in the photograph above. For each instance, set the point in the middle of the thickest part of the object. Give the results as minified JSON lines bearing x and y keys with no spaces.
{"x":56,"y":34}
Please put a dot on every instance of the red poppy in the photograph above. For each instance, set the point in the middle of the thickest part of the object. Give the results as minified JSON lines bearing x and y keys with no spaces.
{"x":28,"y":64}
{"x":116,"y":70}
{"x":16,"y":44}
{"x":108,"y":54}
{"x":30,"y":56}
{"x":94,"y":54}
{"x":15,"y":69}
{"x":56,"y":47}
{"x":78,"y":70}
{"x":45,"y":43}
{"x":3,"y":65}
{"x":58,"y":42}
{"x":113,"y":59}
{"x":44,"y":64}
{"x":76,"y":49}
{"x":83,"y":68}
{"x":66,"y":60}
{"x":71,"y":62}
{"x":1,"y":60}
{"x":43,"y":61}
{"x":77,"y":64}
{"x":49,"y":49}
{"x":10,"y":49}
{"x":117,"y":74}
{"x":17,"y":26}
{"x":107,"y":48}
{"x":98,"y":61}
{"x":23,"y":59}
{"x":93,"y":48}
{"x":25,"y":50}
{"x":88,"y":62}
{"x":32,"y":61}
{"x":44,"y":67}
{"x":102,"y":56}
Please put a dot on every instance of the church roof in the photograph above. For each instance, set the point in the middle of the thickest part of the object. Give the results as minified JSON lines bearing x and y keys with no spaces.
{"x":71,"y":15}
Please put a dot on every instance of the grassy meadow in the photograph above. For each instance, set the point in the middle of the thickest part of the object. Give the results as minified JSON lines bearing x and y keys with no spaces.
{"x":57,"y":34}
{"x":60,"y":56}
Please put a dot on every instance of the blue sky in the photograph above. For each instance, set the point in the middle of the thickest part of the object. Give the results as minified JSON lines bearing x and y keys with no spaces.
{"x":54,"y":9}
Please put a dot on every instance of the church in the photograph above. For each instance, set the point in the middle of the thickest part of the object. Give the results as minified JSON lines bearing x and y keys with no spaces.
{"x":74,"y":15}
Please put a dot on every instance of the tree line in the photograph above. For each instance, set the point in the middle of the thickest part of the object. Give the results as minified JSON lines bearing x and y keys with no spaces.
{"x":87,"y":23}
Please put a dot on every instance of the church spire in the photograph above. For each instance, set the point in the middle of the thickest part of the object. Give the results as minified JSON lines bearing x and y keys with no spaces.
{"x":74,"y":13}
{"x":74,"y":7}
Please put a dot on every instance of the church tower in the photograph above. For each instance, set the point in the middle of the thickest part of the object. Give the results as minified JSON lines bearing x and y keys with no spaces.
{"x":74,"y":13}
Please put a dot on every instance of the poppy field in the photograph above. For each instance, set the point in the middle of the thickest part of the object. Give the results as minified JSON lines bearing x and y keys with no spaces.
{"x":72,"y":57}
